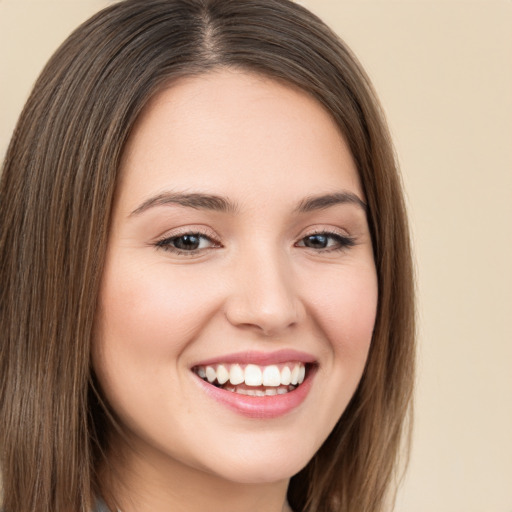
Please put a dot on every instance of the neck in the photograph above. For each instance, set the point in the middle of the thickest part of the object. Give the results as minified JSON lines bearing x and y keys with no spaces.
{"x":160,"y":484}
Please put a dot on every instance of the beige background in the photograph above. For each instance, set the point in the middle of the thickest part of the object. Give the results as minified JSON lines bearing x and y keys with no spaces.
{"x":444,"y":73}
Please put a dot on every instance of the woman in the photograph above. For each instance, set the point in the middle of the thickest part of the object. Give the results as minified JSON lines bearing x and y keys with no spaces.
{"x":206,"y":293}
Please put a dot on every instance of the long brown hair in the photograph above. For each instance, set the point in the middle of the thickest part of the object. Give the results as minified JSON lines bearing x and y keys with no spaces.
{"x":56,"y":191}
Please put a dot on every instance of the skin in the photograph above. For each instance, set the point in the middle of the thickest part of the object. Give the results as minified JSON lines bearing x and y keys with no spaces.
{"x":255,"y":283}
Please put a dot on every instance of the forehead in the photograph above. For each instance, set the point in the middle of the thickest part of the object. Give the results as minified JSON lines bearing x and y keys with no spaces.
{"x":217,"y":131}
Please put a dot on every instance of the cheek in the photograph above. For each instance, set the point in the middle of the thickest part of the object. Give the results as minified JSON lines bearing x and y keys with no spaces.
{"x":149,"y":312}
{"x":345,"y":308}
{"x":146,"y":318}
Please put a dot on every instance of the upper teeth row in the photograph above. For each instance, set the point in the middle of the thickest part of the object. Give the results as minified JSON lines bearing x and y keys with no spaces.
{"x":253,"y":375}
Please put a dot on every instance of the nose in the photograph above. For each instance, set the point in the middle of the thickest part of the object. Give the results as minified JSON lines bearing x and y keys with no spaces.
{"x":263,"y":296}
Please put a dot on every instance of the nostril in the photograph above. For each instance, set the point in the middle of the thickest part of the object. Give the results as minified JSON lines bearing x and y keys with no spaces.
{"x":264,"y":321}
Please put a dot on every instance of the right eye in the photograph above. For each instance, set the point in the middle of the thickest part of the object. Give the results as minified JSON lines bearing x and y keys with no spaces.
{"x":186,"y":243}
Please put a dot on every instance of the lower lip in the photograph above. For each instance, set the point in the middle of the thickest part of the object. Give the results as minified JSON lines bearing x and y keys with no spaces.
{"x":261,"y":407}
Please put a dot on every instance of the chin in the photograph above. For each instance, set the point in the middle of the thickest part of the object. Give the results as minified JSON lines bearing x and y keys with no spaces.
{"x":263,"y":473}
{"x":265,"y":465}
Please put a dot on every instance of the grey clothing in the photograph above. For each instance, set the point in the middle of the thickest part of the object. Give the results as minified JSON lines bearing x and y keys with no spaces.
{"x":101,"y":507}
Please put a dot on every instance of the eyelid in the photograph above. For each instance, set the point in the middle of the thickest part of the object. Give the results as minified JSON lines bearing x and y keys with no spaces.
{"x":323,"y":229}
{"x":196,"y":229}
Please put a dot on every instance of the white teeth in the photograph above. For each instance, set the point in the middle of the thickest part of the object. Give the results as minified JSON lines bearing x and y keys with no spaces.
{"x":271,"y":376}
{"x":295,"y":375}
{"x":271,"y":391}
{"x":286,"y":376}
{"x":211,"y":374}
{"x":222,"y":374}
{"x":236,"y":374}
{"x":253,"y":375}
{"x":302,"y":374}
{"x":250,"y":392}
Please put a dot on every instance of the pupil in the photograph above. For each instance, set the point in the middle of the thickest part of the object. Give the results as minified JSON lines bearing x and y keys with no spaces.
{"x":187,"y":242}
{"x":316,"y":241}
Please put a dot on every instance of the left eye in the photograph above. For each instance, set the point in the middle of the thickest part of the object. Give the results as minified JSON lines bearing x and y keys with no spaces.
{"x":326,"y":241}
{"x":186,"y":242}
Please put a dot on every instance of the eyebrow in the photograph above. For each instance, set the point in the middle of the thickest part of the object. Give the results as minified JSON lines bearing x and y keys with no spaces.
{"x":195,"y":200}
{"x":324,"y":201}
{"x":212,"y":202}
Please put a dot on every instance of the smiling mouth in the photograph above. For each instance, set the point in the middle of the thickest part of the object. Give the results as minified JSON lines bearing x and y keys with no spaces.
{"x":254,"y":380}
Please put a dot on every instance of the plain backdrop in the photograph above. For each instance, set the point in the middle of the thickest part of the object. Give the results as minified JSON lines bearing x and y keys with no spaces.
{"x":443,"y":70}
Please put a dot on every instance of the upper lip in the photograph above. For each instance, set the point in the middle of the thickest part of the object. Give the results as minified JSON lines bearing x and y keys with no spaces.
{"x":260,"y":358}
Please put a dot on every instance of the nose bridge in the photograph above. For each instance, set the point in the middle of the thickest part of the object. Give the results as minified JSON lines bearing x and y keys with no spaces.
{"x":264,"y":294}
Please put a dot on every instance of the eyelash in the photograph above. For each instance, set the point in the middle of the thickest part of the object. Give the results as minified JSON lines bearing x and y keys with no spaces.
{"x":341,"y":242}
{"x":166,"y":243}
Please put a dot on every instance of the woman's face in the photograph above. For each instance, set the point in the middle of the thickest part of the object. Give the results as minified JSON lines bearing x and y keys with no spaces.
{"x":239,"y":252}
